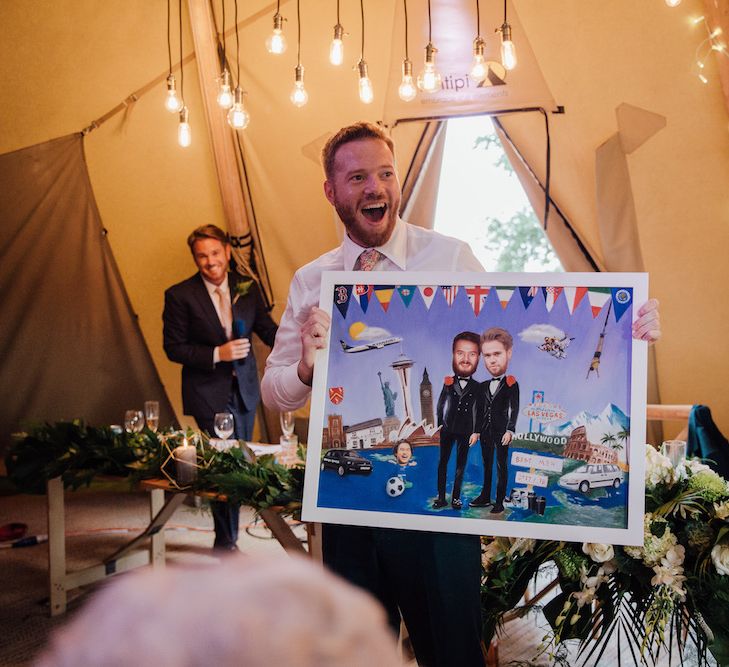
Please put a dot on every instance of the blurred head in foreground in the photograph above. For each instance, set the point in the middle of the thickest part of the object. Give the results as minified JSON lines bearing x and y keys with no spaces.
{"x":243,"y":612}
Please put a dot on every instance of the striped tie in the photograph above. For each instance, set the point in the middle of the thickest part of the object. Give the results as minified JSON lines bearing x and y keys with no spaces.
{"x":367,"y":260}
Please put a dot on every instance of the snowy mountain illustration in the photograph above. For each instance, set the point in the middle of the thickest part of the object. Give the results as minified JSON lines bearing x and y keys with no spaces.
{"x":611,"y":420}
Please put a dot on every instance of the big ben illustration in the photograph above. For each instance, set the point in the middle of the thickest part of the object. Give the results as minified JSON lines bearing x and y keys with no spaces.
{"x":426,"y":399}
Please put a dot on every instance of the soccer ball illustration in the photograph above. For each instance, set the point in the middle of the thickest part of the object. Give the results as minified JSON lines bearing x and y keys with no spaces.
{"x":394,"y":486}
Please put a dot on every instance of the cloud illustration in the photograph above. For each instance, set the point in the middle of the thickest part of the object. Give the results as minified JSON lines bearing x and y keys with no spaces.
{"x":536,"y":333}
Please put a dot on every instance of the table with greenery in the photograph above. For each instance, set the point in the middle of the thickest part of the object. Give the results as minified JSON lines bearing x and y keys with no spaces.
{"x":670,"y":593}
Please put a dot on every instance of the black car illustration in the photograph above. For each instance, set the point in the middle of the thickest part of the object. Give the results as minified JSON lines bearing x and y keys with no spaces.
{"x":345,"y":461}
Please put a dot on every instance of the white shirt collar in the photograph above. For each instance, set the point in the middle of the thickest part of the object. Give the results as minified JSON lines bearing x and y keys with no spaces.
{"x":395,"y":249}
{"x":211,"y":287}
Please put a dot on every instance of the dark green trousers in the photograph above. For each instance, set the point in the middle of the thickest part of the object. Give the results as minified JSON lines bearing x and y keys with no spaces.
{"x":433,"y":579}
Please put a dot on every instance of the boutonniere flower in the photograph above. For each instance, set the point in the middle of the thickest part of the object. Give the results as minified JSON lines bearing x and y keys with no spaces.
{"x":448,"y":381}
{"x":510,"y":380}
{"x":241,"y":288}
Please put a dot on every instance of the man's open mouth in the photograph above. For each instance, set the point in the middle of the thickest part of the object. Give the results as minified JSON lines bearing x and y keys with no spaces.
{"x":374,"y":212}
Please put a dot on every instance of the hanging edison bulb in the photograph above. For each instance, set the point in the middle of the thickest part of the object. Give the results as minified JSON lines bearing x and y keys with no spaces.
{"x":238,"y":117}
{"x":673,"y":3}
{"x":276,"y":41}
{"x":184,"y":135}
{"x":407,"y":90}
{"x":299,"y":96}
{"x":479,"y":68}
{"x":336,"y":49}
{"x":366,"y":94}
{"x":225,"y":96}
{"x":508,"y":51}
{"x":429,"y":79}
{"x":173,"y":103}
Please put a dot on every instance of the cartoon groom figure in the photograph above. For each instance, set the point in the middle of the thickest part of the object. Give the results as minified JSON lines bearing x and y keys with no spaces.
{"x":497,"y":410}
{"x":457,"y":414}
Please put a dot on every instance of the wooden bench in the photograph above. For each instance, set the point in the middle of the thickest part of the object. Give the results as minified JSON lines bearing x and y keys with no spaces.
{"x":131,"y":556}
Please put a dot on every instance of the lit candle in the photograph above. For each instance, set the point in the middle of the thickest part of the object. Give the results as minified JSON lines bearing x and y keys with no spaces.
{"x":185,"y":463}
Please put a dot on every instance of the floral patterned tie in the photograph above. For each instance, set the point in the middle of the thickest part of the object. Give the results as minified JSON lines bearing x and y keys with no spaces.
{"x":367,"y":260}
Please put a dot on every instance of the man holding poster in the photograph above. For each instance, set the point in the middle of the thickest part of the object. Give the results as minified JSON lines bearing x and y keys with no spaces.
{"x":438,"y":590}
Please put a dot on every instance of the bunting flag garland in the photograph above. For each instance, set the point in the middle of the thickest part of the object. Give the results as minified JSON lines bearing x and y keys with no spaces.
{"x":622,"y":300}
{"x":384,"y":295}
{"x":621,"y":297}
{"x":341,"y":298}
{"x":427,"y":292}
{"x":574,"y":295}
{"x":476,"y":297}
{"x":551,"y":294}
{"x":449,"y":292}
{"x":406,"y":292}
{"x":364,"y":293}
{"x":527,"y":295}
{"x":598,"y":297}
{"x":504,"y":295}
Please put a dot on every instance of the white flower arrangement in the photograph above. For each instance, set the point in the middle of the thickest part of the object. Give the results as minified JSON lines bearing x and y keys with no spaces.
{"x":658,"y":469}
{"x":599,"y":553}
{"x":720,"y":558}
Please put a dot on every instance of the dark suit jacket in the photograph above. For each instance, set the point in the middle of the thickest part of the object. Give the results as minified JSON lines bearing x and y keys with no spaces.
{"x":457,"y":407}
{"x":497,"y":414}
{"x":192,"y":330}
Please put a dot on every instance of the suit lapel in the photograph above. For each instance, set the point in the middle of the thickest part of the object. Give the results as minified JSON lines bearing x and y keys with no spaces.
{"x":457,"y":386}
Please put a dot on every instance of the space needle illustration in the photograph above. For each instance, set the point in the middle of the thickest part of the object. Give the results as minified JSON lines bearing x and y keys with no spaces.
{"x":402,"y":366}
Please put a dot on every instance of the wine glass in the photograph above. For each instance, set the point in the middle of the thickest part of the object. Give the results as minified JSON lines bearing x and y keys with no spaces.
{"x":287,"y":422}
{"x":151,"y":415}
{"x":224,"y":425}
{"x":133,"y":421}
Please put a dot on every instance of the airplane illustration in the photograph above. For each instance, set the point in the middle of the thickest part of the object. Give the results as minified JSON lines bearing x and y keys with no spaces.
{"x":376,"y":345}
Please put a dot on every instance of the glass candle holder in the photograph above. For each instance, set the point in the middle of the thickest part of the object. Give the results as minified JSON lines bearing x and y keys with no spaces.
{"x":674,"y":450}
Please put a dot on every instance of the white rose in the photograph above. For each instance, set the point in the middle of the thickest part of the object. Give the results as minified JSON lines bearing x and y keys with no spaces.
{"x":720,"y":558}
{"x":600,"y":553}
{"x":695,"y":466}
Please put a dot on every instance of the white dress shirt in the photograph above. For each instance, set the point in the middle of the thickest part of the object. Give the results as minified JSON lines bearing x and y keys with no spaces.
{"x":409,"y":248}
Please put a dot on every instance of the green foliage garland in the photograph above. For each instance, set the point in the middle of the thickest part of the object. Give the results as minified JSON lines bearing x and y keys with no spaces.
{"x":77,"y":453}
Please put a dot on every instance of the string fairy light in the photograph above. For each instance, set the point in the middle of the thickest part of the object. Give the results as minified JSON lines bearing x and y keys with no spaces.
{"x":276,"y":41}
{"x":299,"y":96}
{"x":407,"y":90}
{"x":225,"y":97}
{"x":429,"y":79}
{"x":336,"y":49}
{"x":508,"y":50}
{"x":713,"y":43}
{"x":366,"y":93}
{"x":184,"y":133}
{"x":238,"y":117}
{"x":172,"y":101}
{"x":479,"y":68}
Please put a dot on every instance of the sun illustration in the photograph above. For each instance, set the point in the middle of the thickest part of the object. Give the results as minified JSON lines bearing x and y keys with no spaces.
{"x":355,"y":331}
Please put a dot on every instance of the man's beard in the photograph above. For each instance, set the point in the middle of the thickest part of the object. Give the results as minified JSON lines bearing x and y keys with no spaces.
{"x":460,"y":374}
{"x":366,"y":236}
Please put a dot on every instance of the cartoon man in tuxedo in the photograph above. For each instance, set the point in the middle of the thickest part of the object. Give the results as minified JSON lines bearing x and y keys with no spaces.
{"x":457,"y":414}
{"x":208,"y":320}
{"x":497,"y":410}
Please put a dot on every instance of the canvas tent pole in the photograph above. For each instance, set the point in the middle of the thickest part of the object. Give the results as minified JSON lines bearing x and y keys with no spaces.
{"x":226,"y":164}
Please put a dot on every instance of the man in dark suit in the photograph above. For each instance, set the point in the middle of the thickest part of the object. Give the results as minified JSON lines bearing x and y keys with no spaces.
{"x":498,"y":408}
{"x":457,"y":414}
{"x":208,"y":320}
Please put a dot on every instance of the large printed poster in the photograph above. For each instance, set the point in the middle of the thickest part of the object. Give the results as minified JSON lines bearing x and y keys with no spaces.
{"x":494,"y":404}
